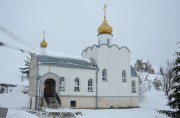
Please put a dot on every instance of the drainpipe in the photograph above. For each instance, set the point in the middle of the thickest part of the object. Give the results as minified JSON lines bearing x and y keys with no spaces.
{"x":37,"y":88}
{"x":97,"y":88}
{"x":39,"y":94}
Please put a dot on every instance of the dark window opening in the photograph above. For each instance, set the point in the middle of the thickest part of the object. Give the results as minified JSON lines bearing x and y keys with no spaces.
{"x":77,"y":85}
{"x":62,"y":84}
{"x":124,"y":76}
{"x":73,"y":103}
{"x":90,"y":85}
{"x":104,"y":75}
{"x":133,"y":85}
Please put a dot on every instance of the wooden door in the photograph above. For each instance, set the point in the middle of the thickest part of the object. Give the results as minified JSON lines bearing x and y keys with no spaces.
{"x":47,"y":89}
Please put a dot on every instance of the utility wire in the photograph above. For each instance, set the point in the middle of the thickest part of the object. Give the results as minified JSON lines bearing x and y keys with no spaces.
{"x":15,"y":48}
{"x":16,"y":38}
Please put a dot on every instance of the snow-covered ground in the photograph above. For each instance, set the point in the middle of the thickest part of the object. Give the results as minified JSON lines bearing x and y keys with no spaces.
{"x":16,"y":102}
{"x":151,"y":101}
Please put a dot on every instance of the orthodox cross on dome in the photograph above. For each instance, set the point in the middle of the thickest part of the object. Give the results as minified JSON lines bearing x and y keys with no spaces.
{"x":105,"y":6}
{"x":44,"y":35}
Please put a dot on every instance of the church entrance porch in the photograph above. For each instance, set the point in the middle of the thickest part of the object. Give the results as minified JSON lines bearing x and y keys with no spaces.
{"x":50,"y":95}
{"x":49,"y":88}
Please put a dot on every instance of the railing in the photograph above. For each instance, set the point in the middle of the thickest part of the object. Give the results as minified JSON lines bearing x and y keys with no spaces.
{"x":47,"y":100}
{"x":58,"y":99}
{"x":44,"y":104}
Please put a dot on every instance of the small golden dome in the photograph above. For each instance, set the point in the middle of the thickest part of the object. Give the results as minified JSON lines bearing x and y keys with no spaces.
{"x":43,"y":44}
{"x":104,"y":28}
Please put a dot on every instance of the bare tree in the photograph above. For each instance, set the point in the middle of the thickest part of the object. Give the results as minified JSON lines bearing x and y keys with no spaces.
{"x":167,"y":74}
{"x":144,"y":85}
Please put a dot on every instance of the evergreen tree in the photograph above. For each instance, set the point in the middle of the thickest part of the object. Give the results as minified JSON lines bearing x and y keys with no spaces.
{"x":174,"y":95}
{"x":25,"y":70}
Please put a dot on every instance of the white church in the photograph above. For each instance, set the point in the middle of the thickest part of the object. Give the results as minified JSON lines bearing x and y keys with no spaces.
{"x":101,"y":78}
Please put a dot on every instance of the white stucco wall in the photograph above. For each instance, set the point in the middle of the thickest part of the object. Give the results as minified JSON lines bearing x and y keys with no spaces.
{"x":115,"y":60}
{"x":118,"y":102}
{"x":70,"y":74}
{"x":115,"y":73}
{"x":114,"y":90}
{"x":125,"y":65}
{"x":81,"y":101}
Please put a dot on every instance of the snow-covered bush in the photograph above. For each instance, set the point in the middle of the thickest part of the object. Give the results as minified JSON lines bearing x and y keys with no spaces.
{"x":157,"y":84}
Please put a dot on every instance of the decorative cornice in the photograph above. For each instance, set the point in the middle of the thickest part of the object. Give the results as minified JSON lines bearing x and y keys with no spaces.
{"x":98,"y":46}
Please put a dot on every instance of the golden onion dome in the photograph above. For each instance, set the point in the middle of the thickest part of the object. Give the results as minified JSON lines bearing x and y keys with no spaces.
{"x":104,"y":28}
{"x":43,"y":44}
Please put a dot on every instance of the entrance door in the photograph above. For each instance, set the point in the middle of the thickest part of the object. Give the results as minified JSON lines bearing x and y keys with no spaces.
{"x":49,"y":88}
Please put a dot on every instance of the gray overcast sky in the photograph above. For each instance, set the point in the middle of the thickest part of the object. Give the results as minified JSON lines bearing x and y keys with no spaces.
{"x":149,"y":28}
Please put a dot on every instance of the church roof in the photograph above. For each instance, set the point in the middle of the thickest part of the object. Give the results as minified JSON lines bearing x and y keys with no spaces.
{"x":66,"y":62}
{"x":71,"y":63}
{"x":133,"y":72}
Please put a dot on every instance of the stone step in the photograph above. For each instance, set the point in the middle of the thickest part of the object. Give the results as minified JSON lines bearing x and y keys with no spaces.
{"x":53,"y":105}
{"x":52,"y":102}
{"x":52,"y":99}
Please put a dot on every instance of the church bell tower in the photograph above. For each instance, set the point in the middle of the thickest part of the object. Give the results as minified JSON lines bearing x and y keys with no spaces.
{"x":105,"y":31}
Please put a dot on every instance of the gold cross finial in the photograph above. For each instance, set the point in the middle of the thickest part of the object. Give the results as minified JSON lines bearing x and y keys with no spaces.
{"x":105,"y":10}
{"x":44,"y":35}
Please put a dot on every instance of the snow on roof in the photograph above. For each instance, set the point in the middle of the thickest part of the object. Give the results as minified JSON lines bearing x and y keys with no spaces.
{"x":64,"y":55}
{"x":65,"y":62}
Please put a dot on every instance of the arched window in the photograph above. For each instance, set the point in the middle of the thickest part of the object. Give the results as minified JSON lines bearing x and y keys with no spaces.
{"x":133,"y":85}
{"x":124,"y":76}
{"x":77,"y":85}
{"x":90,"y":85}
{"x":62,"y":84}
{"x":104,"y":75}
